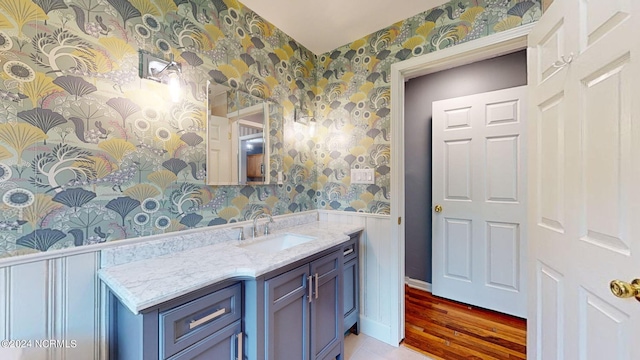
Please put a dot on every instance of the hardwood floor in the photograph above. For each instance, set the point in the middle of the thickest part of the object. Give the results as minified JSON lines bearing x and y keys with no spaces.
{"x":445,"y":329}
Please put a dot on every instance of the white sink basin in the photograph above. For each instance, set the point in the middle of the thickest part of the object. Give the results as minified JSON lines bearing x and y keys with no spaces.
{"x":277,"y":243}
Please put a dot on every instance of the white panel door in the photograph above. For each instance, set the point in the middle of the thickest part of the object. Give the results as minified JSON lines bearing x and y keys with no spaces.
{"x":219,"y":157}
{"x":479,"y":247}
{"x":584,"y":201}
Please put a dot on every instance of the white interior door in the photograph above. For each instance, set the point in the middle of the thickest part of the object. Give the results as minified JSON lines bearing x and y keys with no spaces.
{"x":479,"y":244}
{"x":584,"y":208}
{"x":219,"y":158}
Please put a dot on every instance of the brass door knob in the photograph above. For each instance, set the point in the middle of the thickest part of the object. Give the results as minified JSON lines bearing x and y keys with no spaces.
{"x":623,"y":289}
{"x":437,"y":208}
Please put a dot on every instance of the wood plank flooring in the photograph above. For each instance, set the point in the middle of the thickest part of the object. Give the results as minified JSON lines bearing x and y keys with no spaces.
{"x":445,"y":329}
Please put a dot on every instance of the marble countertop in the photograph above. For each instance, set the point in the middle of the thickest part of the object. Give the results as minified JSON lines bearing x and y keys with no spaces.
{"x":146,"y":283}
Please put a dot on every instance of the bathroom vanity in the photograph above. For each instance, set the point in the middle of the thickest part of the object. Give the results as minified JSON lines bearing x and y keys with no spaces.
{"x":289,"y":295}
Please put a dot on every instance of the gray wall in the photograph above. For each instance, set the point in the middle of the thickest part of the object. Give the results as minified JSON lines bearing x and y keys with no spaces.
{"x":494,"y":74}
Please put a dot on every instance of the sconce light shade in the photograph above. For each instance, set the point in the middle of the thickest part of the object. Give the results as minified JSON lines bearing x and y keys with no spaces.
{"x":304,"y":117}
{"x":157,"y":69}
{"x":162,"y":71}
{"x":301,"y":116}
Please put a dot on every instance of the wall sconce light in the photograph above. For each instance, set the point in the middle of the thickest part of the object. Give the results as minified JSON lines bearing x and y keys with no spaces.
{"x":301,"y":115}
{"x":304,"y":115}
{"x":162,"y":71}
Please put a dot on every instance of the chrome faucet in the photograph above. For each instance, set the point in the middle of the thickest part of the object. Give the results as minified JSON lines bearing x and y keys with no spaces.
{"x":240,"y":232}
{"x":255,"y":231}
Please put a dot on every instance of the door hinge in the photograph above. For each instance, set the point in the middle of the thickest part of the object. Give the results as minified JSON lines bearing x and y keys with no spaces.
{"x":399,"y":220}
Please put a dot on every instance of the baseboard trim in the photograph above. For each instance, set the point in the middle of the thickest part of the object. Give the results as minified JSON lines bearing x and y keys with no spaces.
{"x":376,"y":330}
{"x":417,"y":284}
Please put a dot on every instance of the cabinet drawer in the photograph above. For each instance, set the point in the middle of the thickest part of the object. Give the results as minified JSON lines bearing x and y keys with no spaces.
{"x":222,"y":345}
{"x":350,"y":249}
{"x":187,"y":324}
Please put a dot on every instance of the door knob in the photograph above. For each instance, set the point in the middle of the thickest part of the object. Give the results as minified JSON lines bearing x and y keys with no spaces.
{"x":437,"y":208}
{"x":623,"y":289}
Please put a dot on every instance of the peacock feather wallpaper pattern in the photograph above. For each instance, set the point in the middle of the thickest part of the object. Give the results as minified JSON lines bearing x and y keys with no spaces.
{"x":90,"y":153}
{"x":352,"y":94}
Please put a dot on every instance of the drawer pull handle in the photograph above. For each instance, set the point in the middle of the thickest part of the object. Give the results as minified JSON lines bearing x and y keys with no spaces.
{"x":316,"y":285}
{"x":348,"y":251}
{"x":195,"y":323}
{"x":310,"y":282}
{"x":240,"y":348}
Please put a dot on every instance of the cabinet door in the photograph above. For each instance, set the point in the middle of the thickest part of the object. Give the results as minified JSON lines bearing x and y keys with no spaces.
{"x":287,"y":316}
{"x":350,"y":290}
{"x":254,"y":165}
{"x":327,"y":314}
{"x":222,"y":345}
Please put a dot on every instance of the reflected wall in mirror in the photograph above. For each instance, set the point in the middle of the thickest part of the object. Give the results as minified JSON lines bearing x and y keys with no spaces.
{"x":244,"y":138}
{"x":250,"y":124}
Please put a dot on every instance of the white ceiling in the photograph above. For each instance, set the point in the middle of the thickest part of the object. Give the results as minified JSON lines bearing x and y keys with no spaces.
{"x":324,"y":25}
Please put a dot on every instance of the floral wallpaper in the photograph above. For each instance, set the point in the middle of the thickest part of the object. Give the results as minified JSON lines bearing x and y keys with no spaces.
{"x":90,"y":153}
{"x":352,"y":93}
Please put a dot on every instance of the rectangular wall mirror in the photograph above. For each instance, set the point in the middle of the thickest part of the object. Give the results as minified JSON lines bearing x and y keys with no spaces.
{"x":244,"y":138}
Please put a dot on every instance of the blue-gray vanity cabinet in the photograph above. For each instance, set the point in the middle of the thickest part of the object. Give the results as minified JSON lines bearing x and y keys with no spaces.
{"x":205,"y":324}
{"x":326,"y":307}
{"x":304,"y":311}
{"x":287,"y":319}
{"x":351,"y":284}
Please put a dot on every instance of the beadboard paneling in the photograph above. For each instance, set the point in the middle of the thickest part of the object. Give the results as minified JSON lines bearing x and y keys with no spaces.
{"x":5,"y":274}
{"x":53,"y":299}
{"x":375,"y":276}
{"x":28,"y":305}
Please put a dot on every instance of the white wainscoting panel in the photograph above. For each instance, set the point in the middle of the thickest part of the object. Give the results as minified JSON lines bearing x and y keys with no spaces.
{"x":53,"y":299}
{"x":375,"y":270}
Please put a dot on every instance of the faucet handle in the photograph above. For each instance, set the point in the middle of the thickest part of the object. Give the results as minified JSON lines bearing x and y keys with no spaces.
{"x":255,"y":230}
{"x":240,"y":233}
{"x":266,"y":225}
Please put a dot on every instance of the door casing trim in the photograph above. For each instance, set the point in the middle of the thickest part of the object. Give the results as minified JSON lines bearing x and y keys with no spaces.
{"x":485,"y":48}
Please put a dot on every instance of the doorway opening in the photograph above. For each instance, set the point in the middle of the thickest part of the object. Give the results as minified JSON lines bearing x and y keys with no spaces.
{"x":497,"y":73}
{"x":472,"y":118}
{"x":251,"y":158}
{"x":487,"y":48}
